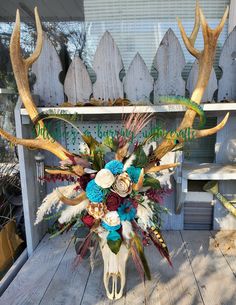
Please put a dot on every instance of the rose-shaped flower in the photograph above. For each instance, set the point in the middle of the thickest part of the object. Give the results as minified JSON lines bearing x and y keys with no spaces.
{"x":115,"y":166}
{"x":94,"y":192}
{"x":104,"y":178}
{"x":122,"y":185}
{"x":88,"y":220}
{"x":113,"y":201}
{"x":111,"y":221}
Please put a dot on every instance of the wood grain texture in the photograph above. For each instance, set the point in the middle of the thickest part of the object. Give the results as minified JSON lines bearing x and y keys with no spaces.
{"x":29,"y":185}
{"x":227,"y":62}
{"x":192,"y":80}
{"x":138,"y":83}
{"x":69,"y":281}
{"x":47,"y":69}
{"x":215,"y":279}
{"x":169,"y":62}
{"x":107,"y":65}
{"x":30,"y":284}
{"x":171,"y":286}
{"x":77,"y":86}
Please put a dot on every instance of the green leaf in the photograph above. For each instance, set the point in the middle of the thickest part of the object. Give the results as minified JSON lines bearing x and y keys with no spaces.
{"x":152,"y":182}
{"x":110,"y":142}
{"x":141,"y":159}
{"x":114,"y":245}
{"x":98,"y":160}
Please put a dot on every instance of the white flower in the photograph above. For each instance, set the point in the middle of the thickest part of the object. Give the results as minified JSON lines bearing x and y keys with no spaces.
{"x":72,"y":211}
{"x":127,"y":230}
{"x":112,"y":218}
{"x":104,"y":178}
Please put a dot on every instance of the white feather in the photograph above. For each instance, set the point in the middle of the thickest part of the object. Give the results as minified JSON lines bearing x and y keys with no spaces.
{"x":71,"y":211}
{"x":145,"y":215}
{"x":127,"y":231}
{"x":52,"y":200}
{"x":129,"y":162}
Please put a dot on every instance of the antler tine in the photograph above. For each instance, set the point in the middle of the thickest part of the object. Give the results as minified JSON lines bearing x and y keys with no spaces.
{"x":20,"y":69}
{"x":189,"y":41}
{"x":196,"y":26}
{"x":222,"y":22}
{"x":207,"y":132}
{"x":30,"y":60}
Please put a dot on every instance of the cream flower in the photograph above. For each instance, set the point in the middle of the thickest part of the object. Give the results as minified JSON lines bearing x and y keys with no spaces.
{"x":112,"y":218}
{"x":122,"y":185}
{"x":104,"y":178}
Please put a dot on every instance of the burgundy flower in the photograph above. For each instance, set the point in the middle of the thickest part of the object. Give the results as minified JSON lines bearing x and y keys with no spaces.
{"x":83,"y":181}
{"x":113,"y":201}
{"x":88,"y":220}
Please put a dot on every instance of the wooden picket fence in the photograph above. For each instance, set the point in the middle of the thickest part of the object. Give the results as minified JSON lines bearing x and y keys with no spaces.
{"x":138,"y":83}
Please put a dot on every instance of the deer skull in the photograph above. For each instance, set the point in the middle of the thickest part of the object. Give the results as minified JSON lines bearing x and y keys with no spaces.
{"x":114,"y":269}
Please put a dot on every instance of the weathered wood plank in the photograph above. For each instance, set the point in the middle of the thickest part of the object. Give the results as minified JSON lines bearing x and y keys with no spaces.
{"x":69,"y":282}
{"x":216,"y":281}
{"x":171,"y":286}
{"x":225,"y":240}
{"x":47,"y":69}
{"x":107,"y":65}
{"x":169,"y":62}
{"x":138,"y":82}
{"x":33,"y":279}
{"x":227,"y":62}
{"x":77,"y":86}
{"x":192,"y":80}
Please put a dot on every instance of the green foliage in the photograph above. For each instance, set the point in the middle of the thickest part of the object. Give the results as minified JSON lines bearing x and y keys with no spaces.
{"x":141,"y":160}
{"x":114,"y":245}
{"x":152,"y":182}
{"x":111,"y":143}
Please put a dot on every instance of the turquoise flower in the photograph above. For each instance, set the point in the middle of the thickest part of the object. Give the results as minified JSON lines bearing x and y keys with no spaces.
{"x":115,"y":166}
{"x":113,"y":235}
{"x":110,"y":228}
{"x":127,"y":211}
{"x":134,"y":173}
{"x":94,"y":192}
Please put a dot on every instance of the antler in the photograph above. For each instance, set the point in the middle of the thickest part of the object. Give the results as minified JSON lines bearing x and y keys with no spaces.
{"x":205,"y":59}
{"x":20,"y":68}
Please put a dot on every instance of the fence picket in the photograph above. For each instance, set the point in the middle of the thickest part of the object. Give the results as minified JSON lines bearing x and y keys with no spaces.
{"x":107,"y":65}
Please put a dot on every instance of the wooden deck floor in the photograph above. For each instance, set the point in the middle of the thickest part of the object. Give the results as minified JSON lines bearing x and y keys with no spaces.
{"x":204,"y":273}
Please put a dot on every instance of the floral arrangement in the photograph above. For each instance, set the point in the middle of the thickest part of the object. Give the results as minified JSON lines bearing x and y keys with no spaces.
{"x":116,"y":195}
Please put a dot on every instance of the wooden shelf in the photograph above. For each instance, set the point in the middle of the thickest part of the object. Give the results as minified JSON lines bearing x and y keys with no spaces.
{"x":209,"y":171}
{"x":129,"y":109}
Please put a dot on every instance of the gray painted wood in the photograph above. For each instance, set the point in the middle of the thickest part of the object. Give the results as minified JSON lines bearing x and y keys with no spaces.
{"x":29,"y":185}
{"x":169,"y":62}
{"x":227,"y":62}
{"x":171,"y":286}
{"x":214,"y":277}
{"x":69,"y":281}
{"x":107,"y":66}
{"x":138,"y":83}
{"x":30,"y":284}
{"x":77,"y":86}
{"x":192,"y":80}
{"x":47,"y":69}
